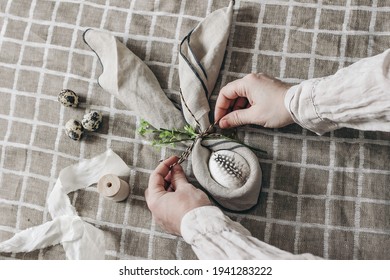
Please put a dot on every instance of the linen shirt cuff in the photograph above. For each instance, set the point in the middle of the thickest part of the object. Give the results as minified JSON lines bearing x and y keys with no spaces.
{"x":207,"y":219}
{"x":300,"y":103}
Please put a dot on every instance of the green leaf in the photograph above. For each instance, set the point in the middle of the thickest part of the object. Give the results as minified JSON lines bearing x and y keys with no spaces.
{"x":144,"y":127}
{"x":163,"y":137}
{"x":190,"y":130}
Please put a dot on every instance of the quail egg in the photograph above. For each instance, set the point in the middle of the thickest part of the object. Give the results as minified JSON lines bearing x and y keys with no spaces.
{"x":92,"y":120}
{"x":68,"y":98}
{"x":74,"y":129}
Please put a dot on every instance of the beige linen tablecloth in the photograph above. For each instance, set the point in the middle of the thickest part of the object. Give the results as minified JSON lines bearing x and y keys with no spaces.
{"x":327,"y":195}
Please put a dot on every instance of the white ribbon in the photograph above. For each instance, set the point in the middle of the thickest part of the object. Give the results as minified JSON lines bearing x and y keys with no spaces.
{"x":80,"y":239}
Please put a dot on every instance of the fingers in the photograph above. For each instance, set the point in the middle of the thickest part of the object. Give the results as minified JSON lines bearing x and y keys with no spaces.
{"x":156,"y":180}
{"x":178,"y":177}
{"x":227,"y":97}
{"x":234,"y":119}
{"x":263,"y":95}
{"x":237,"y":118}
{"x":241,"y":103}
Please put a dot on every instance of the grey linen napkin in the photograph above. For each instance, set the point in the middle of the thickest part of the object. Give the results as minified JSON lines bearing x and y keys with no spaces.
{"x":201,"y":56}
{"x":129,"y":79}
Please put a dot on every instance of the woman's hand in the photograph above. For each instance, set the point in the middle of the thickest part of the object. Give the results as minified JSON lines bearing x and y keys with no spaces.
{"x":254,"y":99}
{"x":170,"y":196}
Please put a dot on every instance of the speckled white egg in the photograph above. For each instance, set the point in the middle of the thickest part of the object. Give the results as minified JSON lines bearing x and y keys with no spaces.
{"x":229,"y":169}
{"x":92,"y":120}
{"x":74,"y":129}
{"x":68,"y":98}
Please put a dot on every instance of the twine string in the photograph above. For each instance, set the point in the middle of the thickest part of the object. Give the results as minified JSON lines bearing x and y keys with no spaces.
{"x":201,"y":134}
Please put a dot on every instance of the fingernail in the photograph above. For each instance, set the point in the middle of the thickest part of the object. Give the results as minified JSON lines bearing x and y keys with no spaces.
{"x":223,"y":123}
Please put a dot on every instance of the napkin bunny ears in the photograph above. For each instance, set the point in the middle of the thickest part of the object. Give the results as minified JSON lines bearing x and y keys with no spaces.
{"x":201,"y":54}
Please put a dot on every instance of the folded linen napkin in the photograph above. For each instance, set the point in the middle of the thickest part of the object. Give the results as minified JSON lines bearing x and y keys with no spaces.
{"x":201,"y":56}
{"x":129,"y":79}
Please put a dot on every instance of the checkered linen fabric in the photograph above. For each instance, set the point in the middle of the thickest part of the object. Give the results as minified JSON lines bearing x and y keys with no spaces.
{"x":327,"y":195}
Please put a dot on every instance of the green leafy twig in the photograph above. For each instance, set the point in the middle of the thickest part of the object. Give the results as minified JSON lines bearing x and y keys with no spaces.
{"x":167,"y":136}
{"x":164,"y":136}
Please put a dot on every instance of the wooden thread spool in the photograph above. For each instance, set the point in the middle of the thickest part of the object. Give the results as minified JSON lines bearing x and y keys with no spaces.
{"x":112,"y":187}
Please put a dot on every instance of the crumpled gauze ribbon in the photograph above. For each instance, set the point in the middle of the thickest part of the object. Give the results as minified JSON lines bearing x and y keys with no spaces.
{"x":201,"y":56}
{"x":81,"y":240}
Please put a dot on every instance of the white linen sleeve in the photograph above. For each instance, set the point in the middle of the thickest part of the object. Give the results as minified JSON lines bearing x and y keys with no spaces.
{"x":357,"y":96}
{"x":213,"y":235}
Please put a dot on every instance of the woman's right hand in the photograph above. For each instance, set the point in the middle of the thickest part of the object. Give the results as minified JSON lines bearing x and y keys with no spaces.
{"x":254,"y":99}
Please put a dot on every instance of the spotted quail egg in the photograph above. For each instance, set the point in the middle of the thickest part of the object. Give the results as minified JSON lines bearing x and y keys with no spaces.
{"x":92,"y":120}
{"x":68,"y":98}
{"x":74,"y":129}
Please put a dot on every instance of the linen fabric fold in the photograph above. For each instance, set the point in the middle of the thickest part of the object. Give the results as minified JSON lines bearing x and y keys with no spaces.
{"x":129,"y":79}
{"x":80,"y":239}
{"x":213,"y":235}
{"x":201,"y":56}
{"x":238,"y":199}
{"x":325,"y":104}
